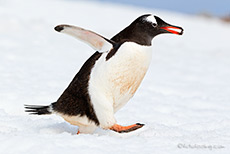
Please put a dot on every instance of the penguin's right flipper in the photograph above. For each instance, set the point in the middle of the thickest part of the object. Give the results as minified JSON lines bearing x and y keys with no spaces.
{"x":93,"y":39}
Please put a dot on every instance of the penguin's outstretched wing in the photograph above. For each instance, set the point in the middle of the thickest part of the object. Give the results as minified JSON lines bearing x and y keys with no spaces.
{"x":95,"y":40}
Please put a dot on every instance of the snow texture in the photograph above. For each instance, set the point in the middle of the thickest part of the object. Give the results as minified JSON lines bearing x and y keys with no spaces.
{"x":184,"y":100}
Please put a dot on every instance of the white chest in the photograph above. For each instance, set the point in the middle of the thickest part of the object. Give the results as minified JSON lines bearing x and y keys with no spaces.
{"x":120,"y":76}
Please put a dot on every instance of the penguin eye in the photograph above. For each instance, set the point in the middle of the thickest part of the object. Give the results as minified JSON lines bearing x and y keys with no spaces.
{"x":154,"y":25}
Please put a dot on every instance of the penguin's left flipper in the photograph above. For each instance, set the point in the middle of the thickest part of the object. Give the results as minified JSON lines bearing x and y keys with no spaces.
{"x":93,"y":39}
{"x":126,"y":129}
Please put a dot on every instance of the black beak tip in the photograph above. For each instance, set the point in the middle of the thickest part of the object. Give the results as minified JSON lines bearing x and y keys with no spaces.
{"x":59,"y":28}
{"x":182,"y":31}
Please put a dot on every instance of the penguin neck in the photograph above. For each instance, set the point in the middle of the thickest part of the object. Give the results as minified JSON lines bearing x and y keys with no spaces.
{"x":131,"y":35}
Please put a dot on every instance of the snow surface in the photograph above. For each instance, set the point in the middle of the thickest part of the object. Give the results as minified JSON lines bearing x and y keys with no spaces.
{"x":184,"y":99}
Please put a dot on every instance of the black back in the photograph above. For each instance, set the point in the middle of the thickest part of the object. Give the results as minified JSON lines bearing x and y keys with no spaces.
{"x":75,"y":99}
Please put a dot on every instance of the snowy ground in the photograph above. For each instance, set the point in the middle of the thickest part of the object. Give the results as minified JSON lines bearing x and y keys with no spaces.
{"x":184,"y":99}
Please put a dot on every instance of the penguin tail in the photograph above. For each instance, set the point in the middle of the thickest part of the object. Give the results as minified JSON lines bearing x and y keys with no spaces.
{"x":38,"y":110}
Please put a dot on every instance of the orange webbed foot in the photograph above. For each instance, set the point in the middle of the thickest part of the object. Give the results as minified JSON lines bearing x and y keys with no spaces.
{"x":126,"y":129}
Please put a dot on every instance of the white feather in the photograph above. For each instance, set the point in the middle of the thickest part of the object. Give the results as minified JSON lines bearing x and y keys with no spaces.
{"x":112,"y":83}
{"x":151,"y":19}
{"x":83,"y":122}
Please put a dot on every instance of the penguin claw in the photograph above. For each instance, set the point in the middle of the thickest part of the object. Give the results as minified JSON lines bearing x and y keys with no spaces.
{"x":126,"y":129}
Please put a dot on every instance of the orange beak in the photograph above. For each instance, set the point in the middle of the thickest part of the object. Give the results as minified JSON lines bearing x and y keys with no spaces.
{"x":173,"y":29}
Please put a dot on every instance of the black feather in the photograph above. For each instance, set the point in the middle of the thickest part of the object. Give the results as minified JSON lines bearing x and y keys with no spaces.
{"x":37,"y":109}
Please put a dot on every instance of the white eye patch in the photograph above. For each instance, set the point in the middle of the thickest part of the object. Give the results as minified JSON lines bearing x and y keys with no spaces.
{"x":151,"y":19}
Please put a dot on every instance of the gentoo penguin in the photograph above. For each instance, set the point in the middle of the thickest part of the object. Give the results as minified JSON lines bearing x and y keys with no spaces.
{"x":110,"y":77}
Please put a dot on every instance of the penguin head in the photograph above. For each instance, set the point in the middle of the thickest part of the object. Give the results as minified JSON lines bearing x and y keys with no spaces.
{"x":145,"y":28}
{"x":153,"y":26}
